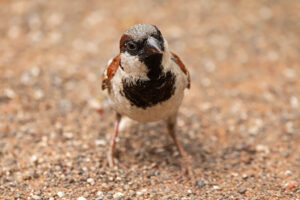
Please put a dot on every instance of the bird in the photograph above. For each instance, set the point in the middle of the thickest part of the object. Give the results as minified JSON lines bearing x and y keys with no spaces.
{"x":145,"y":82}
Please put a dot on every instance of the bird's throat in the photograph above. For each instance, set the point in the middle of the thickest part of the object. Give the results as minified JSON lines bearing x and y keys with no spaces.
{"x":153,"y":63}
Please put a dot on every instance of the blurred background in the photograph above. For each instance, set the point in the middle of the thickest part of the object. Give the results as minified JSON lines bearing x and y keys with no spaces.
{"x":240,"y":121}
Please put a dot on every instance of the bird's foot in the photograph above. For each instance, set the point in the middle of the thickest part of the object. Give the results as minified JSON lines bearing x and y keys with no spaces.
{"x":114,"y":163}
{"x":110,"y":159}
{"x":187,"y":170}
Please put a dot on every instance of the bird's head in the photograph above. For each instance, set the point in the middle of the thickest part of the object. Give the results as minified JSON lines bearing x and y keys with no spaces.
{"x":142,"y":49}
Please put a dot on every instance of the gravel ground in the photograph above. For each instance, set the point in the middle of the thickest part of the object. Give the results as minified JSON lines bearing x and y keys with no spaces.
{"x":240,"y":121}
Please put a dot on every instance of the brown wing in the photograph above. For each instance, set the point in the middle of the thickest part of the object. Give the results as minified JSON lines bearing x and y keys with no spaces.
{"x":182,"y":67}
{"x":110,"y":72}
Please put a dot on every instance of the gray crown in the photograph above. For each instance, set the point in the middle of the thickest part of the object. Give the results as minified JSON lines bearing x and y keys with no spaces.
{"x":141,"y":31}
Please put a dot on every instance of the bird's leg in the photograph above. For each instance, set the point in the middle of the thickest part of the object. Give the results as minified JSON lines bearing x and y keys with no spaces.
{"x":171,"y":130}
{"x":171,"y":123}
{"x":112,"y":146}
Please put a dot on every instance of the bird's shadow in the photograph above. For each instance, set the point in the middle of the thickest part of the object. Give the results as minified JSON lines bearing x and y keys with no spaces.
{"x":147,"y":144}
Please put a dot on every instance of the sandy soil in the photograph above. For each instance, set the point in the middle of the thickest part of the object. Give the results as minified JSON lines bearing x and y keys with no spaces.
{"x":240,"y":121}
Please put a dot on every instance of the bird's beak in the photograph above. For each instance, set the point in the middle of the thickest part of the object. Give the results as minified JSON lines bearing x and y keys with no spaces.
{"x":153,"y":46}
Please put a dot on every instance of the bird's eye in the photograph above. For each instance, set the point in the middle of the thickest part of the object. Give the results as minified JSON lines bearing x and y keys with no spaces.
{"x":131,"y":46}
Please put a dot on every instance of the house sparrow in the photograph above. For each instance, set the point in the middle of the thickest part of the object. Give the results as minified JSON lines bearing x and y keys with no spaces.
{"x":146,"y":81}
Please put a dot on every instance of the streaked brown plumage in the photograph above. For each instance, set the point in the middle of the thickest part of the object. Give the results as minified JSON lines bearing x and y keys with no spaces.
{"x":145,"y":81}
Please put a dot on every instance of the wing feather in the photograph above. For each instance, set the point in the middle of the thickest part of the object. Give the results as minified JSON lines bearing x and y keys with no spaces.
{"x":110,"y":72}
{"x":182,"y":67}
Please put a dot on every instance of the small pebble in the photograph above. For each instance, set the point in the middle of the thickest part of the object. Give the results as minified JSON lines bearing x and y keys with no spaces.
{"x":200,"y":183}
{"x":131,"y":193}
{"x":100,"y":194}
{"x":294,"y":102}
{"x":9,"y":93}
{"x":262,"y":148}
{"x":25,"y":78}
{"x":288,"y":172}
{"x":234,"y":174}
{"x":289,"y":127}
{"x":291,"y":185}
{"x":209,"y":65}
{"x":38,"y":94}
{"x":68,"y":135}
{"x":81,"y":198}
{"x":60,"y":194}
{"x":94,"y":104}
{"x":118,"y":195}
{"x":166,"y":197}
{"x":35,"y":71}
{"x":139,"y":193}
{"x":100,"y":142}
{"x":36,"y":197}
{"x":242,"y":190}
{"x":34,"y":159}
{"x":91,"y":181}
{"x":289,"y":73}
{"x":215,"y":187}
{"x":244,"y":176}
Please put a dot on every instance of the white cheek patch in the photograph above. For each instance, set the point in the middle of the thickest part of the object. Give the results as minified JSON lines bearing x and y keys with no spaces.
{"x":133,"y":66}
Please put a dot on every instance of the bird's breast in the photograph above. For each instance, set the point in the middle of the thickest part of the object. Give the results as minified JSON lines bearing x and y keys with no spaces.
{"x":146,"y":93}
{"x":145,"y":99}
